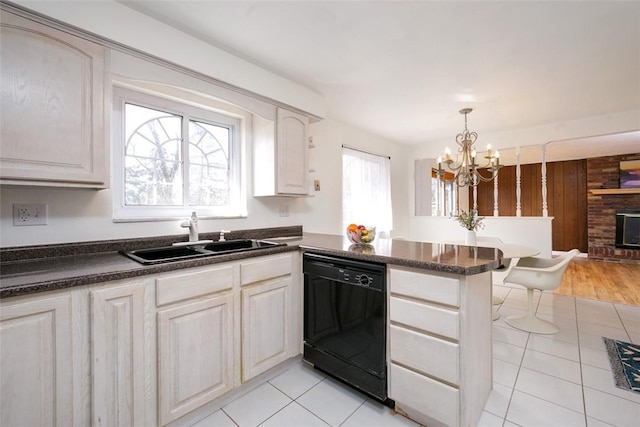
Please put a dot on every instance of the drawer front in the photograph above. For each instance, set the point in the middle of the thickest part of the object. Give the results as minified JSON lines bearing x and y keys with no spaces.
{"x":440,"y":289}
{"x":185,"y":285}
{"x":265,"y":268}
{"x":424,"y":395}
{"x":439,"y":321}
{"x":425,"y":353}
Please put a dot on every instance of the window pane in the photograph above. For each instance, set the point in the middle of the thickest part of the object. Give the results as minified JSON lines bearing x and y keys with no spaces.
{"x":209,"y":166}
{"x":153,"y":160}
{"x":366,"y":190}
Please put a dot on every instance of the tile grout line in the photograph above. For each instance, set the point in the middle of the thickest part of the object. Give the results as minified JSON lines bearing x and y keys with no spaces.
{"x":513,"y":389}
{"x":354,"y":411}
{"x":584,"y":399}
{"x":230,"y":417}
{"x":622,"y":322}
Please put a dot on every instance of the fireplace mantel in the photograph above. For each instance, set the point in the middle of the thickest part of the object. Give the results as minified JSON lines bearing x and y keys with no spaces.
{"x":615,"y":191}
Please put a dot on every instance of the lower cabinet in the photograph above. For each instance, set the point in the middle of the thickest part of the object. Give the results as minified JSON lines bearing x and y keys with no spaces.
{"x":36,"y":367}
{"x":148,"y":350}
{"x":267,"y":313}
{"x":440,"y":345}
{"x":117,"y":346}
{"x":265,"y":326}
{"x":195,"y":355}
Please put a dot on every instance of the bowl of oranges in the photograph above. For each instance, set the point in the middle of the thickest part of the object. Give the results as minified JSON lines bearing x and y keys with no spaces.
{"x":361,"y":234}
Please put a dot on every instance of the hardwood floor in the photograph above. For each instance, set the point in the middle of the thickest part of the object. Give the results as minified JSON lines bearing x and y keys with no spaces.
{"x":605,"y":281}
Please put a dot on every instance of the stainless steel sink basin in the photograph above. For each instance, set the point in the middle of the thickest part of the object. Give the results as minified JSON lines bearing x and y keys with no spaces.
{"x":177,"y":253}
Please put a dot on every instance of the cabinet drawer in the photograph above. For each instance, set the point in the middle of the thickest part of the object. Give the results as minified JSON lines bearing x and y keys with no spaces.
{"x":265,"y":268}
{"x":440,"y":289}
{"x":424,"y":395}
{"x":439,"y":321}
{"x":182,"y":286}
{"x":433,"y":356}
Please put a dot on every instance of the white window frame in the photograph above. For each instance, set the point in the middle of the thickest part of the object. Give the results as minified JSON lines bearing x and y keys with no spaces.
{"x":122,"y":213}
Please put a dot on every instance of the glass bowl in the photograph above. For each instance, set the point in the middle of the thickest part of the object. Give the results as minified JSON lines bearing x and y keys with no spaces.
{"x":361,"y":234}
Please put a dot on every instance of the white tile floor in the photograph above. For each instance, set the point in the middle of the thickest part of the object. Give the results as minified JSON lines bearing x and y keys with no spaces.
{"x":539,"y":380}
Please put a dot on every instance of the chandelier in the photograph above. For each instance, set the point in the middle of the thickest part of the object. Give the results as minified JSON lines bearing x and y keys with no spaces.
{"x":465,"y":168}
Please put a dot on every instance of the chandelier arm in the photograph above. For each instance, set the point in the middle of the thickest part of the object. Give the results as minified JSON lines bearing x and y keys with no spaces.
{"x":460,"y":181}
{"x":455,"y":169}
{"x":486,"y":179}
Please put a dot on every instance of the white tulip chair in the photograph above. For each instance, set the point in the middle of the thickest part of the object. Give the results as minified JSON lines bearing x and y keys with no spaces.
{"x":544,"y":274}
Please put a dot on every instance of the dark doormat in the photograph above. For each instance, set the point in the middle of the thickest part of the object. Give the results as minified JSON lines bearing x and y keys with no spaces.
{"x":625,"y":363}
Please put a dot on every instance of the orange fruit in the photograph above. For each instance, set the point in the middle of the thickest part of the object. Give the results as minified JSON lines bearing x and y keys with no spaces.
{"x":352,"y":228}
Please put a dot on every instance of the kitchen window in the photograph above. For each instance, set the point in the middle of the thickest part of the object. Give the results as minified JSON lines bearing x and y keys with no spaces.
{"x":366,"y":190}
{"x":173,"y":158}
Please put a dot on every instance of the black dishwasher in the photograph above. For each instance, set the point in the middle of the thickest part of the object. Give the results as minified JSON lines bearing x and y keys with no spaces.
{"x":345,"y":321}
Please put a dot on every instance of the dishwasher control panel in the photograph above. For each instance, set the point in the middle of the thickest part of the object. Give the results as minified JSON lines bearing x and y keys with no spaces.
{"x":358,"y":273}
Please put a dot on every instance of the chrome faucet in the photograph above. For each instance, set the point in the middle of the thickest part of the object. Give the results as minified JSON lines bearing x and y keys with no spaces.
{"x":222,"y":239}
{"x":192,"y":224}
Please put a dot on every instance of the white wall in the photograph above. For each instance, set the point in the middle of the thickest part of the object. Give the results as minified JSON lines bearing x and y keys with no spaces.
{"x":85,"y":215}
{"x":527,"y":231}
{"x":114,"y":21}
{"x":328,"y":138}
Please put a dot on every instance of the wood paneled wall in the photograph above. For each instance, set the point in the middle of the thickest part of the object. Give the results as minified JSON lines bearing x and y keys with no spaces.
{"x":566,"y":199}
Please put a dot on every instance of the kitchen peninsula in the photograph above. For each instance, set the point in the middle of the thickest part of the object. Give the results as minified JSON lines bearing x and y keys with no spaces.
{"x":121,"y":324}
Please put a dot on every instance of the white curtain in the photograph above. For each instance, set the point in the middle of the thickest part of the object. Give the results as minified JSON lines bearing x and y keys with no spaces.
{"x":366,"y":190}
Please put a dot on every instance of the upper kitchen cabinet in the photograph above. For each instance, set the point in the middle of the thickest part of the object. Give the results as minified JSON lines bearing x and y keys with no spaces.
{"x":280,"y":155}
{"x":52,"y":101}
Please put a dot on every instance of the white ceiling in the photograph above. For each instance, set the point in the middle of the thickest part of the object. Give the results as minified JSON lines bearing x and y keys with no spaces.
{"x":404,"y":69}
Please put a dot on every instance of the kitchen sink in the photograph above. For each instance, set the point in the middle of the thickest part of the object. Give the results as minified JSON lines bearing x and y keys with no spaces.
{"x":239,"y":245}
{"x":177,"y":253}
{"x":164,"y":254}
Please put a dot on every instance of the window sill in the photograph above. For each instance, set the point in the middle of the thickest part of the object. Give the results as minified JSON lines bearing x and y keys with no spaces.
{"x":176,"y":218}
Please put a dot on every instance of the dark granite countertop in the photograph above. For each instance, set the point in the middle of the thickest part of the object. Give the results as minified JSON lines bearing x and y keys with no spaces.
{"x":445,"y":258}
{"x":49,"y":267}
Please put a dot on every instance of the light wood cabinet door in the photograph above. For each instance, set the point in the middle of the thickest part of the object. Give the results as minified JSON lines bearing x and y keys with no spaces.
{"x":36,"y":363}
{"x":52,"y":103}
{"x":195,"y":355}
{"x":266,"y":318}
{"x":292,"y":158}
{"x":280,"y":155}
{"x":117,"y":329}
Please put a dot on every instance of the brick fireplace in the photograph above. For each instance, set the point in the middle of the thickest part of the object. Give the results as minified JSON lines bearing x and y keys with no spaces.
{"x":603,"y":173}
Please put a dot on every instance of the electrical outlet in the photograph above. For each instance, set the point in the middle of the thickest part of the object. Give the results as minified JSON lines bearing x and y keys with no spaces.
{"x":284,"y":209}
{"x":30,"y":214}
